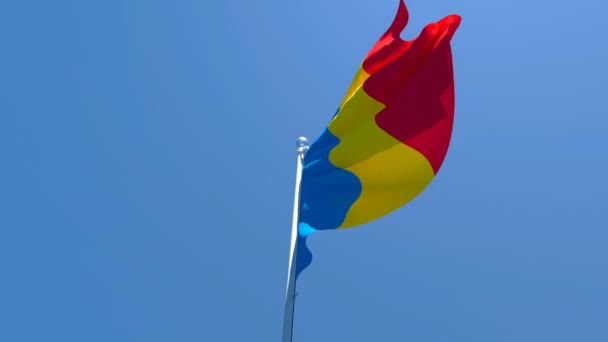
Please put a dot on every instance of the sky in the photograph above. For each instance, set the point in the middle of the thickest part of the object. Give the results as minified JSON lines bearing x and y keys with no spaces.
{"x":148,"y":160}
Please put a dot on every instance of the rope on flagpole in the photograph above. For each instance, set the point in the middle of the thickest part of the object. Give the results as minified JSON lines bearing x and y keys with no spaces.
{"x":290,"y":295}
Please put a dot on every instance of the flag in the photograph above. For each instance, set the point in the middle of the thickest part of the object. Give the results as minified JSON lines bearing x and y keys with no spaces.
{"x":388,"y":138}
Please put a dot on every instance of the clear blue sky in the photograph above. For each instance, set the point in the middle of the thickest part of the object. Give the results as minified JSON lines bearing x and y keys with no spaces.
{"x":148,"y":161}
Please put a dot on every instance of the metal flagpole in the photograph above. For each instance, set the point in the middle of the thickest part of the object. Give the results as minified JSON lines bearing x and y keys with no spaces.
{"x":302,"y":144}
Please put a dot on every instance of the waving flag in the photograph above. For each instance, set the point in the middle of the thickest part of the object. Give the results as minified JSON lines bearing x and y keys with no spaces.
{"x":389,"y":137}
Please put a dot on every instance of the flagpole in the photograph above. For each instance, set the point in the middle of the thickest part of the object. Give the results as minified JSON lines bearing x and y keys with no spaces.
{"x":302,"y":144}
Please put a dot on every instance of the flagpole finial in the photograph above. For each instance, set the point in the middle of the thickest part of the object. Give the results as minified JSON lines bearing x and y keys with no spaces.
{"x":302,"y":144}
